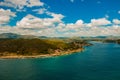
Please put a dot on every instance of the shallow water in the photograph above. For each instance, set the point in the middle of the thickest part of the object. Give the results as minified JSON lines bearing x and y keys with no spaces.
{"x":98,"y":62}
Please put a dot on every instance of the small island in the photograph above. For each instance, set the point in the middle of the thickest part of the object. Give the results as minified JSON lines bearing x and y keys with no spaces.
{"x":36,"y":48}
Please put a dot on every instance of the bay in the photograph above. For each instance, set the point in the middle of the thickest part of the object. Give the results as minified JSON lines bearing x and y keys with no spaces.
{"x":98,"y":62}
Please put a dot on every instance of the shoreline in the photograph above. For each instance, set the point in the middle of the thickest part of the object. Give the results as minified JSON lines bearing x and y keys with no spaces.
{"x":42,"y":55}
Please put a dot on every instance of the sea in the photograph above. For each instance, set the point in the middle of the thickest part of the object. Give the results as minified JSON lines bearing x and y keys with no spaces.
{"x":101,"y":61}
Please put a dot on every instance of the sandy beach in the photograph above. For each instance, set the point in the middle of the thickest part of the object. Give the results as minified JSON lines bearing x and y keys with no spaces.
{"x":40,"y":56}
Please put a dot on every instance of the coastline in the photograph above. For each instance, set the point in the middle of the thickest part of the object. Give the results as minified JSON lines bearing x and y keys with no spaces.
{"x":42,"y":55}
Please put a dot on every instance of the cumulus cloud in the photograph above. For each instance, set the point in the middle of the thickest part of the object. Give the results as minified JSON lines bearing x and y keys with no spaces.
{"x":72,"y":1}
{"x":106,"y":16}
{"x":79,"y":22}
{"x":31,"y":25}
{"x":118,"y":12}
{"x":73,"y":26}
{"x":116,"y":21}
{"x":100,"y":22}
{"x":40,"y":11}
{"x":30,"y":22}
{"x":33,"y":22}
{"x":56,"y":17}
{"x":19,"y":4}
{"x":32,"y":3}
{"x":54,"y":25}
{"x":95,"y":31}
{"x":88,"y":29}
{"x":17,"y":30}
{"x":5,"y":16}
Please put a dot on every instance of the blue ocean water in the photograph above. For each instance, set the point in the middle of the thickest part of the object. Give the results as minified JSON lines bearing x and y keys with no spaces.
{"x":98,"y":62}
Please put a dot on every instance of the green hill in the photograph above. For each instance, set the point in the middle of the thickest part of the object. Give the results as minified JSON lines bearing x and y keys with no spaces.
{"x":36,"y":46}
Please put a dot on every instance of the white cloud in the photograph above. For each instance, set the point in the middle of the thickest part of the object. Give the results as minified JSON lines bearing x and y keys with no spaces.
{"x":32,"y":3}
{"x":17,"y":30}
{"x":88,"y":29}
{"x":73,"y":26}
{"x":116,"y":21}
{"x":30,"y":22}
{"x":79,"y":22}
{"x":19,"y":4}
{"x":39,"y":23}
{"x":40,"y":11}
{"x":95,"y":31}
{"x":118,"y":12}
{"x":5,"y":16}
{"x":31,"y":25}
{"x":56,"y":17}
{"x":72,"y":1}
{"x":100,"y":22}
{"x":106,"y":16}
{"x":54,"y":26}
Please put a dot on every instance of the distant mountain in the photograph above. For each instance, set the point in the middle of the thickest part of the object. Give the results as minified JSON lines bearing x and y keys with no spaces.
{"x":9,"y":35}
{"x":43,"y":37}
{"x":100,"y":37}
{"x":28,"y":36}
{"x":17,"y":36}
{"x":107,"y":37}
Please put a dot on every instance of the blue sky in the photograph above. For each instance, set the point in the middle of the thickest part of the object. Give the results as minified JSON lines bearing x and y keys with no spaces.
{"x":60,"y":17}
{"x":85,"y":9}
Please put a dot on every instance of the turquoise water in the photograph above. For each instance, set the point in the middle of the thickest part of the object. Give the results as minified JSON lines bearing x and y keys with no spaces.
{"x":98,"y":62}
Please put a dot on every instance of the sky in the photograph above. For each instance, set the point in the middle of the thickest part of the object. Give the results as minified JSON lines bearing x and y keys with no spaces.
{"x":60,"y":18}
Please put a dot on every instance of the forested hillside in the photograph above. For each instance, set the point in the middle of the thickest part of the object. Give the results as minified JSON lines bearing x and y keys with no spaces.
{"x":36,"y":46}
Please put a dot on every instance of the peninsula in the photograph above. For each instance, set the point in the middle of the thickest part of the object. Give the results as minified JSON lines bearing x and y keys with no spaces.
{"x":35,"y":48}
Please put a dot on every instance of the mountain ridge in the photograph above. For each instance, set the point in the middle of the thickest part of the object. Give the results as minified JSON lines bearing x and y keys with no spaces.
{"x":17,"y":36}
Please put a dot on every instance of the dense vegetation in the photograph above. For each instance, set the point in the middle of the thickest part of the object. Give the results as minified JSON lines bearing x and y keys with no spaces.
{"x":112,"y":41}
{"x":118,"y":41}
{"x":36,"y":46}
